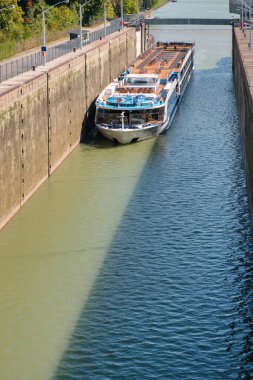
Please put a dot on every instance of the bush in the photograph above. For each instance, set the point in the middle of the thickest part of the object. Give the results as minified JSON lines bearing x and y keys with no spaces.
{"x":61,"y":18}
{"x":11,"y":20}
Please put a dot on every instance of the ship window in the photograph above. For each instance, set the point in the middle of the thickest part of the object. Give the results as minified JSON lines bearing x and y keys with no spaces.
{"x":147,"y":116}
{"x":114,"y":117}
{"x":141,"y":81}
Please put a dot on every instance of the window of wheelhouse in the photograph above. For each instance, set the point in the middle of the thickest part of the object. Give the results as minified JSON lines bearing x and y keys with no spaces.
{"x":147,"y":116}
{"x":104,"y":116}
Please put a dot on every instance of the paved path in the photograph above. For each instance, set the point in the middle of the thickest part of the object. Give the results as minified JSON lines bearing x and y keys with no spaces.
{"x":29,"y":59}
{"x":50,"y":44}
{"x":246,"y":55}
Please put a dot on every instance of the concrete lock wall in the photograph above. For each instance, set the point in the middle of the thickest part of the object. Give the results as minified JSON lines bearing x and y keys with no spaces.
{"x":23,"y":144}
{"x":242,"y":68}
{"x":66,"y":108}
{"x":42,"y":114}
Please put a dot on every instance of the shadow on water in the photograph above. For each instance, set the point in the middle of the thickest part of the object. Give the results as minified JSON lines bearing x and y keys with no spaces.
{"x":88,"y":125}
{"x":99,"y":142}
{"x":89,"y":133}
{"x":173,"y":299}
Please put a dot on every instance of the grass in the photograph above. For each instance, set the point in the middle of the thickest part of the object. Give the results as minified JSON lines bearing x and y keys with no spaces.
{"x":7,"y":49}
{"x":161,"y":3}
{"x":10,"y":48}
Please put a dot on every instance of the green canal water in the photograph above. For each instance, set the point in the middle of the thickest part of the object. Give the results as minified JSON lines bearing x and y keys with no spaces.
{"x":52,"y":251}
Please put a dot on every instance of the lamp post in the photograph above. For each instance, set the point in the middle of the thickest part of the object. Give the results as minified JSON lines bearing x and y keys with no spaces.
{"x":137,"y":11}
{"x":245,"y":18}
{"x":250,"y":40}
{"x":244,"y":8}
{"x":81,"y":21}
{"x":43,"y":48}
{"x":122,"y":14}
{"x":105,"y":18}
{"x":246,"y":14}
{"x":242,"y":15}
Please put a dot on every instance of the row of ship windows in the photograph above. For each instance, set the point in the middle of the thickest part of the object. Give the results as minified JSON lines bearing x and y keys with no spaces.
{"x":129,"y":117}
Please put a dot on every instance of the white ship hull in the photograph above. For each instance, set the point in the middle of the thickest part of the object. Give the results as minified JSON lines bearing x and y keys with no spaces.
{"x":126,"y":136}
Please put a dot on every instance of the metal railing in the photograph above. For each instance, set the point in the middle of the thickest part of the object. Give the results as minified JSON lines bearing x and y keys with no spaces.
{"x":245,"y":9}
{"x":188,"y":21}
{"x":31,"y":61}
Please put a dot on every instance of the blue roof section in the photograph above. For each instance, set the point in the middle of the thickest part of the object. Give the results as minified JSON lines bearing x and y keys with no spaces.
{"x":172,"y":76}
{"x":130,"y":102}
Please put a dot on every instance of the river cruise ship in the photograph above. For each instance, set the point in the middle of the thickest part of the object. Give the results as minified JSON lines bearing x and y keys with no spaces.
{"x":142,"y":102}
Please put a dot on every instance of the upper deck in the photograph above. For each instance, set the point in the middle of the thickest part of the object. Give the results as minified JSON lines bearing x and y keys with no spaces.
{"x":162,"y":59}
{"x":149,"y":79}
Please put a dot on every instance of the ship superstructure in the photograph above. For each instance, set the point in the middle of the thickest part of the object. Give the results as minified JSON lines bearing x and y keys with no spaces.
{"x":142,"y":102}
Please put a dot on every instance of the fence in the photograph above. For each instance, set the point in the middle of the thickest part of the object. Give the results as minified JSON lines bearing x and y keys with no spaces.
{"x":29,"y":62}
{"x":188,"y":21}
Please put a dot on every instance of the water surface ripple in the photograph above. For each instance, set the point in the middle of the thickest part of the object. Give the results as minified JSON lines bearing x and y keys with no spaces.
{"x":173,"y":299}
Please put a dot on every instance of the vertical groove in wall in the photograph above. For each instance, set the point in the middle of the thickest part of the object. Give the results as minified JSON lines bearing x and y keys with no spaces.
{"x":110,"y":60}
{"x":100,"y":70}
{"x":22,"y":163}
{"x":21,"y":156}
{"x":48,"y":127}
{"x":69,"y":109}
{"x":85,"y":81}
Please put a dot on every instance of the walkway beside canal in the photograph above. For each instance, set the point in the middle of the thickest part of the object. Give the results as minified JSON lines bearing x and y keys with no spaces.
{"x":246,"y":54}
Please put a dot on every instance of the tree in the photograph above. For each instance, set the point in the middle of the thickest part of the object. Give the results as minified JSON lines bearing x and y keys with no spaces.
{"x":94,"y":10}
{"x":110,"y":13}
{"x":11,"y":20}
{"x":61,"y":18}
{"x":129,"y":7}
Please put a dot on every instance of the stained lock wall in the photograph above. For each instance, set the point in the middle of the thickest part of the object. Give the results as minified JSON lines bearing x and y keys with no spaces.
{"x":243,"y":79}
{"x":42,"y":114}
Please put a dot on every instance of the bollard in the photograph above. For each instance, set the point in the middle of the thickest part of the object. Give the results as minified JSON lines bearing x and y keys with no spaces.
{"x":100,"y":38}
{"x":34,"y":67}
{"x":74,"y":50}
